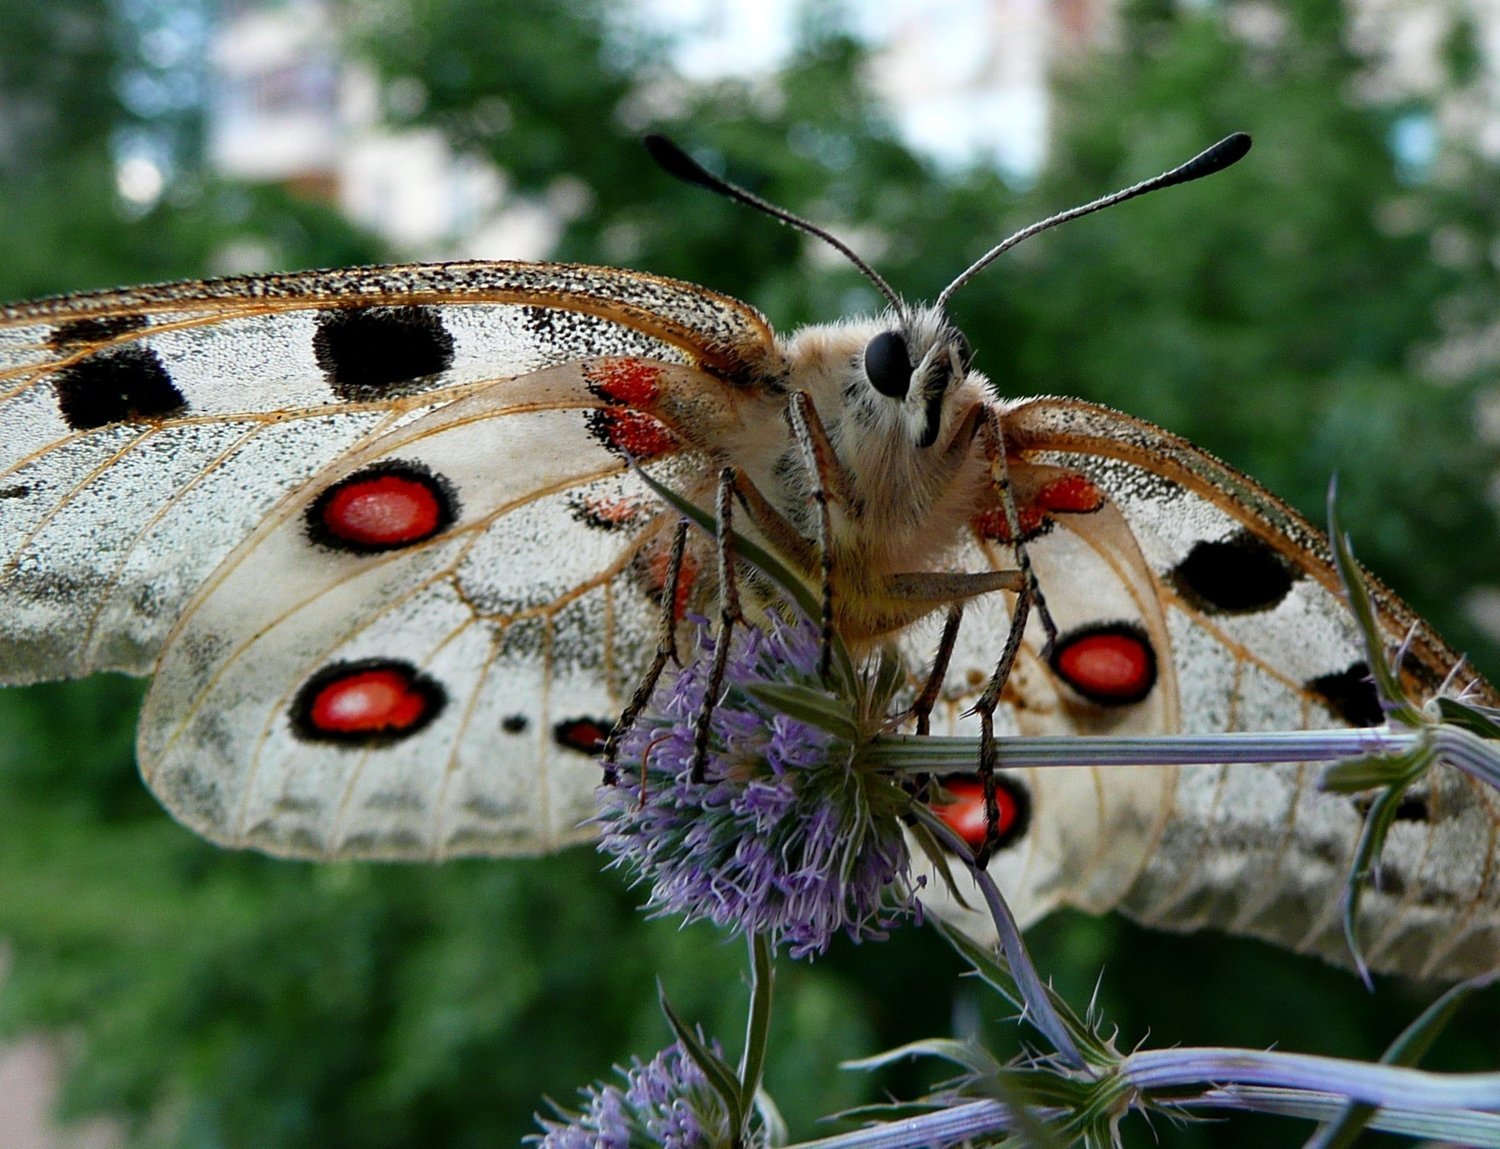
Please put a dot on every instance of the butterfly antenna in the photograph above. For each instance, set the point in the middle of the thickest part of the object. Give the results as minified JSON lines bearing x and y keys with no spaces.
{"x":676,"y":162}
{"x":1229,"y":150}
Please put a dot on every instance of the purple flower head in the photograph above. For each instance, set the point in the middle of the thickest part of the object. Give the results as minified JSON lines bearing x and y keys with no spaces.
{"x":788,"y":833}
{"x":665,"y":1103}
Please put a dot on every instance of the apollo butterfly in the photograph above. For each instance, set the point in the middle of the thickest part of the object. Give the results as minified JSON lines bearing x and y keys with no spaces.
{"x":378,"y":535}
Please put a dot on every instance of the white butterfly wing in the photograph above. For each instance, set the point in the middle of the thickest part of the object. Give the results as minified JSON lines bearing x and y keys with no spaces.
{"x":148,"y":432}
{"x":437,"y":690}
{"x":1233,"y":599}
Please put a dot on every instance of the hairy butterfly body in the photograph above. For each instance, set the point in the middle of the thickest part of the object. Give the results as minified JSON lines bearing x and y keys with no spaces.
{"x":377,"y":535}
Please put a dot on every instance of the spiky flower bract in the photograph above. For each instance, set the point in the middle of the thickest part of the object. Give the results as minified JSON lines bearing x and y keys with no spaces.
{"x":666,"y":1103}
{"x":786,"y":832}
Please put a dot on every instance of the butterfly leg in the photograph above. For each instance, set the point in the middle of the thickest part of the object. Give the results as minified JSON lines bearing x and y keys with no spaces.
{"x":921,"y":709}
{"x":729,"y":614}
{"x":780,"y":533}
{"x":827,"y":476}
{"x":666,"y":647}
{"x":1000,"y":478}
{"x":985,"y":708}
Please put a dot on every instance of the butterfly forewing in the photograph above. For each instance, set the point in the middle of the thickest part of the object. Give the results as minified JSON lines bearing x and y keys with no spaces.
{"x":149,"y":432}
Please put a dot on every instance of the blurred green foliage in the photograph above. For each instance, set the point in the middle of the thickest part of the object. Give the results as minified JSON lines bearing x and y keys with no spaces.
{"x":1280,"y":315}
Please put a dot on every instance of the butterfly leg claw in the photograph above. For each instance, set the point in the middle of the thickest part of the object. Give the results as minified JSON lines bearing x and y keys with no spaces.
{"x":666,"y":647}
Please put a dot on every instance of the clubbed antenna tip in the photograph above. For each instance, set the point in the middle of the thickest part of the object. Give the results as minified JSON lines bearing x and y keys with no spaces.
{"x":677,"y":163}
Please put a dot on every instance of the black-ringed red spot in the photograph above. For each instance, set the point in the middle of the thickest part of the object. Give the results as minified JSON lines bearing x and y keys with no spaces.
{"x":372,"y":702}
{"x":632,"y":382}
{"x":627,"y":432}
{"x":965,"y":814}
{"x":383,"y":507}
{"x":583,"y":735}
{"x":1110,"y":663}
{"x":1351,"y":695}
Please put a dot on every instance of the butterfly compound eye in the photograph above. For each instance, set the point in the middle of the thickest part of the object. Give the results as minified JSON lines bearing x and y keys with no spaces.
{"x":887,"y":365}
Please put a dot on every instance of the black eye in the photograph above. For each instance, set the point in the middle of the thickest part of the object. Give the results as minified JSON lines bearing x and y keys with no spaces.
{"x":887,"y":364}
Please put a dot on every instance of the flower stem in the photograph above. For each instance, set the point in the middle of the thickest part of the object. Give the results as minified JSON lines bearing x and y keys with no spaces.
{"x":909,"y":752}
{"x":1370,"y":1083}
{"x":1039,"y":1008}
{"x":948,"y":1126}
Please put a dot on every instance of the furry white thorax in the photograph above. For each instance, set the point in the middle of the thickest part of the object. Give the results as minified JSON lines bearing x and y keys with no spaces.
{"x":911,"y":500}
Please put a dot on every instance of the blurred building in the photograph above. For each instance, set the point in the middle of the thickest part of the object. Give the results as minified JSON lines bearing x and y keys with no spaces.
{"x":966,"y":80}
{"x":286,"y":107}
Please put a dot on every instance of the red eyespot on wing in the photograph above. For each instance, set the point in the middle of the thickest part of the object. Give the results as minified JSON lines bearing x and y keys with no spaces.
{"x":1111,"y":664}
{"x":585,"y":735}
{"x":633,"y":382}
{"x":382,"y":508}
{"x":371,"y":703}
{"x":965,"y":814}
{"x":1071,"y":494}
{"x":991,"y":524}
{"x":627,"y":432}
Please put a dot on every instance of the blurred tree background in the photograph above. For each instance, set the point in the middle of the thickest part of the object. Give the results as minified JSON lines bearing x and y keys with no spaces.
{"x":1323,"y":308}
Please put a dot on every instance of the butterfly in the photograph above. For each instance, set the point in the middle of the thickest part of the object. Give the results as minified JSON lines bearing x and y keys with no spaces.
{"x":384,"y":538}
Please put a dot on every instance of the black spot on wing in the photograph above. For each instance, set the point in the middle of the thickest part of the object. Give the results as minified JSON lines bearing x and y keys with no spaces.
{"x":1238,"y":575}
{"x":1350,"y":694}
{"x":123,"y":383}
{"x":372,"y":353}
{"x":1412,"y":807}
{"x":20,"y":491}
{"x":96,"y":329}
{"x":515,"y":723}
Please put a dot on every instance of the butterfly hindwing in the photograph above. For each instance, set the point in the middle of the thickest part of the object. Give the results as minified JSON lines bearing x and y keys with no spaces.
{"x":439,"y":688}
{"x":1244,"y":629}
{"x":148,"y":432}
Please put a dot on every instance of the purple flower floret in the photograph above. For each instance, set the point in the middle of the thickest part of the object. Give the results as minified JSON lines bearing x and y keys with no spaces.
{"x":666,"y":1103}
{"x":788,"y":834}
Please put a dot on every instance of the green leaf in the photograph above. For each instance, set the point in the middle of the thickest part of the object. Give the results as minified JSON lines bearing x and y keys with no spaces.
{"x":940,"y":861}
{"x":758,"y":1025}
{"x":968,"y":1054}
{"x":1410,"y":1046}
{"x":1468,"y":718}
{"x":807,"y":704}
{"x":1378,"y":821}
{"x":720,"y":1077}
{"x":1387,"y":684}
{"x":1372,"y":771}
